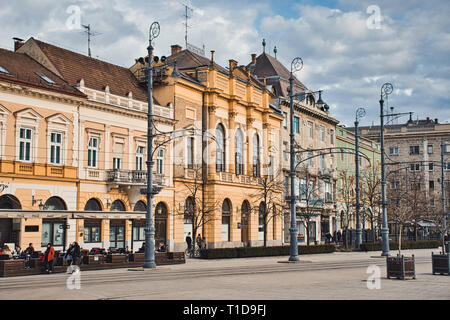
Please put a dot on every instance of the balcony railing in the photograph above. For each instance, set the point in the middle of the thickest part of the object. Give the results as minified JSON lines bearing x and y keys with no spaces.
{"x":138,"y":177}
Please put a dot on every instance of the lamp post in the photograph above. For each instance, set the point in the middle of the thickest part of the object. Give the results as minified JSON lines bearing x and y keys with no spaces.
{"x":149,"y":261}
{"x":296,"y":65}
{"x":386,"y":90}
{"x":360,"y":112}
{"x":444,"y":222}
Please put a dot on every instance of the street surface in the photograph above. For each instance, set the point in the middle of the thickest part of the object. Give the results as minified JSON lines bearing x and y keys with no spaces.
{"x":339,"y":275}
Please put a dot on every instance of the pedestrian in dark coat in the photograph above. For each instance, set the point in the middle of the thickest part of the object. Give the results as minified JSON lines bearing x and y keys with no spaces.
{"x":189,"y":242}
{"x":76,"y":253}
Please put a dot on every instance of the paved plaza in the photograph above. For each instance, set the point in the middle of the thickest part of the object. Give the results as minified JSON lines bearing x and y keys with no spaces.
{"x":339,"y":275}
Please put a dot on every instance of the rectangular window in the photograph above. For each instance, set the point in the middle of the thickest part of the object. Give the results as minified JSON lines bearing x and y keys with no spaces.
{"x":430,"y":149}
{"x":190,"y":152}
{"x":93,"y":152}
{"x":322,"y":161}
{"x":414,"y":150}
{"x":431,"y":185}
{"x":55,"y":147}
{"x":25,"y":144}
{"x":53,"y":232}
{"x":430,"y":166}
{"x":139,"y":158}
{"x":285,"y":120}
{"x":322,"y":133}
{"x":296,"y":125}
{"x":117,"y":163}
{"x":415,"y":166}
{"x":332,"y":136}
{"x":395,"y":184}
{"x":310,"y":162}
{"x":138,"y":233}
{"x":310,"y":129}
{"x":91,"y":234}
{"x":160,"y":162}
{"x":393,"y":151}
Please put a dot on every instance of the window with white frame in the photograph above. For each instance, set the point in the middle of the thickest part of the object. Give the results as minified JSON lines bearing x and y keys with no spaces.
{"x":430,"y":149}
{"x":25,"y":144}
{"x":118,"y":150}
{"x":310,"y":129}
{"x":430,"y":166}
{"x":93,"y":152}
{"x":393,"y":151}
{"x":322,"y":161}
{"x":322,"y":133}
{"x":160,"y":161}
{"x":55,"y":148}
{"x":285,"y":119}
{"x":332,"y":136}
{"x":117,"y":163}
{"x":139,"y":158}
{"x":190,"y":152}
{"x":415,"y":166}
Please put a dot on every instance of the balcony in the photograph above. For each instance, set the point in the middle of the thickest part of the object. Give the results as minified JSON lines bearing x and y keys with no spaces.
{"x":133,"y":177}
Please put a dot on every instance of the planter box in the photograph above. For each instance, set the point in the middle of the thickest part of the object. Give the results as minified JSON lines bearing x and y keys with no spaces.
{"x":400,"y":267}
{"x":440,"y":263}
{"x":93,"y":259}
{"x":137,"y":257}
{"x":116,"y":258}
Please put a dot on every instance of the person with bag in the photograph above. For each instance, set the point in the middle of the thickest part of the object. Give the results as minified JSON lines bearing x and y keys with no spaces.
{"x":68,"y":256}
{"x":48,"y":258}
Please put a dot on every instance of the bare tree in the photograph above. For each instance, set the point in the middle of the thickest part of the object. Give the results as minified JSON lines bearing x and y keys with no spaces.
{"x":371,"y":195}
{"x":311,"y":200}
{"x":196,"y":210}
{"x":346,"y":195}
{"x":267,"y":201}
{"x":435,"y":214}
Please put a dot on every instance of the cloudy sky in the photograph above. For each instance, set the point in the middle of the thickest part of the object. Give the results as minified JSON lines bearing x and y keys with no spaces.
{"x":349,"y":47}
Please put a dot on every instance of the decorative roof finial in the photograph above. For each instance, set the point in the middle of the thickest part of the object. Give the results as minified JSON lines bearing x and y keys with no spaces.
{"x":275,"y":50}
{"x":264,"y":45}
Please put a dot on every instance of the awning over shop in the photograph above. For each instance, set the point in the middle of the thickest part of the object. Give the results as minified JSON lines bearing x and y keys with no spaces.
{"x":8,"y":213}
{"x":426,"y":224}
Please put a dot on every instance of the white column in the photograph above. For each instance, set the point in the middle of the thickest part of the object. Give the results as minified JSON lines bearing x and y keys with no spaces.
{"x":131,"y":149}
{"x":107,"y":144}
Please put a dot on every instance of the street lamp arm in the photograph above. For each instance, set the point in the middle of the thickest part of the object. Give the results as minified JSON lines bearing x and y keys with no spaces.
{"x":351,"y":151}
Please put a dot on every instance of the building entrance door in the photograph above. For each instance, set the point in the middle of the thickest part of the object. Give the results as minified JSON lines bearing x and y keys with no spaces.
{"x":5,"y":231}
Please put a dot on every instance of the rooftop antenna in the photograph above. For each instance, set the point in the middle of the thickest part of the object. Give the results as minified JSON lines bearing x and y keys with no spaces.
{"x":89,"y":34}
{"x":187,"y":15}
{"x":275,"y":50}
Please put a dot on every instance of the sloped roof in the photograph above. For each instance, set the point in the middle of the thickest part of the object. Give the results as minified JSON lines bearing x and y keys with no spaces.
{"x":267,"y":66}
{"x":23,"y":69}
{"x":97,"y":74}
{"x":188,"y":59}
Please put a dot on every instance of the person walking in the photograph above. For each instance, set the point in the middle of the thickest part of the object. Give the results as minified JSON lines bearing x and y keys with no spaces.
{"x":48,"y":258}
{"x":189,"y":242}
{"x":76,"y":253}
{"x":68,"y":256}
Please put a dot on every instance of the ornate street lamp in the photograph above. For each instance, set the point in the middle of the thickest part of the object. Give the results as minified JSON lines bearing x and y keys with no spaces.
{"x":149,"y":261}
{"x":296,"y":65}
{"x":386,"y":90}
{"x":360,"y":112}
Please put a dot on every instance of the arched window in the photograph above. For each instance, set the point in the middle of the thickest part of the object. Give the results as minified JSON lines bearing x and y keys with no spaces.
{"x":140,"y":206}
{"x":239,"y":152}
{"x":226,"y":215}
{"x":220,"y":148}
{"x":55,"y":203}
{"x":261,"y":213}
{"x":245,"y":213}
{"x":8,"y":201}
{"x":256,"y":158}
{"x":93,"y":205}
{"x":117,"y":205}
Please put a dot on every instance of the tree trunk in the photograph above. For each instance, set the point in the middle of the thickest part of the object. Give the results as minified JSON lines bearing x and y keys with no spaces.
{"x":307,"y":234}
{"x":415,"y":231}
{"x":400,"y":240}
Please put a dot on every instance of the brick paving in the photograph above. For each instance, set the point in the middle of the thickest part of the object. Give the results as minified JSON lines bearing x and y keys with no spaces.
{"x":323,"y":276}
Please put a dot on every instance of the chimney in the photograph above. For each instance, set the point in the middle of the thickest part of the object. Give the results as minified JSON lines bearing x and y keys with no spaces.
{"x":232,"y":64}
{"x":253,"y":58}
{"x":212,"y":57}
{"x":17,"y":43}
{"x":436,"y":120}
{"x":175,"y":48}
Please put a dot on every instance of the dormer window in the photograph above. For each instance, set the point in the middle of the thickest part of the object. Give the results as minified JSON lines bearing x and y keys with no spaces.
{"x":3,"y":70}
{"x":45,"y":78}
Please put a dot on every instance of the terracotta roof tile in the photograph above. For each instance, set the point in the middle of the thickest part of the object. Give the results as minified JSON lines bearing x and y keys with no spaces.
{"x":25,"y":70}
{"x":97,"y":74}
